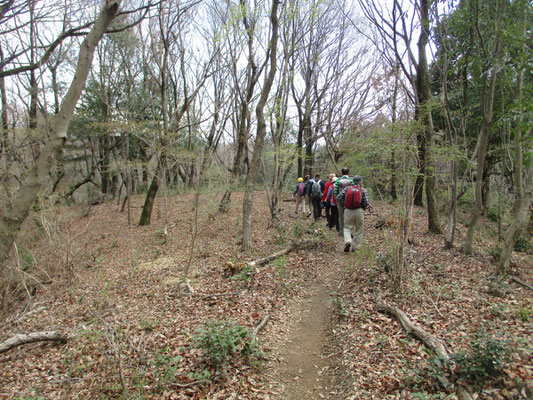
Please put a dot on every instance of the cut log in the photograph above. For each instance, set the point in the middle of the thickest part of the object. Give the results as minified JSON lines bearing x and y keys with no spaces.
{"x":21,"y":339}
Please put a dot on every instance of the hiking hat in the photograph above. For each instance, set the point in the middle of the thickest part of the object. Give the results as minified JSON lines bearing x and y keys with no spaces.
{"x":300,"y":180}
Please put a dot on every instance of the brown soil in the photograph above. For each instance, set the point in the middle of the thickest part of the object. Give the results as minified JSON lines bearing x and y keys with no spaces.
{"x":301,"y":368}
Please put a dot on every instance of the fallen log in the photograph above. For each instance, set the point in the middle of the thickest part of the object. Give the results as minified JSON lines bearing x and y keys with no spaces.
{"x":527,"y":285}
{"x":426,"y":338}
{"x":20,"y":339}
{"x":272,"y":257}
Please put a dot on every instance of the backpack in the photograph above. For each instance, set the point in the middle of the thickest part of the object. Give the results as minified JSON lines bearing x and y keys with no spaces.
{"x":301,"y":188}
{"x":343,"y":182}
{"x":316,"y":190}
{"x":354,"y":197}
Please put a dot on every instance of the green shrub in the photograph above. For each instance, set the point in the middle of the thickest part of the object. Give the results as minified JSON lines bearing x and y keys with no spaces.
{"x":493,"y":215}
{"x":166,"y":367}
{"x":224,"y":340}
{"x":524,"y":313}
{"x":339,"y":305}
{"x":483,"y":362}
{"x":496,"y":252}
{"x":26,"y":258}
{"x":522,"y":245}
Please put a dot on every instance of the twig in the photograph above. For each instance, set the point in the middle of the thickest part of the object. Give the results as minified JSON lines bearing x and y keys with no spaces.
{"x":185,"y":385}
{"x":260,"y":326}
{"x":34,"y":311}
{"x":189,"y":286}
{"x":204,"y":296}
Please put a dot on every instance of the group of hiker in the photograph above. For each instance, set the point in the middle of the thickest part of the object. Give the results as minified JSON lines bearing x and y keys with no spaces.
{"x":344,"y":200}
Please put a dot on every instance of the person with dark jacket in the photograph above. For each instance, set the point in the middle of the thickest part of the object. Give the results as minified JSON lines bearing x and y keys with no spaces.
{"x":315,"y":191}
{"x":308,"y":203}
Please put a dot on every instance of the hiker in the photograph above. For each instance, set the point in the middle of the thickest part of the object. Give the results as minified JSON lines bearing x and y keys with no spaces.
{"x":309,"y":204}
{"x":355,"y":200}
{"x":334,"y":214}
{"x":316,"y":189}
{"x":327,"y":203}
{"x":340,"y":184}
{"x":299,"y":194}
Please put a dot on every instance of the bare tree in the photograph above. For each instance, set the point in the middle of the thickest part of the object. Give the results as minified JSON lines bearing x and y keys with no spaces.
{"x":245,"y":84}
{"x":12,"y":218}
{"x":396,"y":38}
{"x":247,"y":242}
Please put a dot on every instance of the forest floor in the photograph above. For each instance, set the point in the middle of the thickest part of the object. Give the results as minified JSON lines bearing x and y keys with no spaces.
{"x":134,"y":324}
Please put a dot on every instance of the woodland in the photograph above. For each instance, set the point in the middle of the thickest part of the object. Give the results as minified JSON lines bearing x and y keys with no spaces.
{"x":149,"y":247}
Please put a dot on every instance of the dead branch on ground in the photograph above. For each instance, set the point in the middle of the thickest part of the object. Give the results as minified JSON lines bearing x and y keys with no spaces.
{"x":271,"y":257}
{"x":260,"y":326}
{"x":527,"y":285}
{"x":426,"y":338}
{"x":20,"y":339}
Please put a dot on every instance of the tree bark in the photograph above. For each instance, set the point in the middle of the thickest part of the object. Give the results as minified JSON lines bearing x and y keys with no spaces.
{"x":12,"y":218}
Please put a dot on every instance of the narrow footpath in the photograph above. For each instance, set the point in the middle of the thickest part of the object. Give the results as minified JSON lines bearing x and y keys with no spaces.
{"x":301,"y":368}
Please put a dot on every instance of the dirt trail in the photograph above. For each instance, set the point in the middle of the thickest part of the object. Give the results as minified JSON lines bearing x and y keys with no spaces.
{"x":302,"y":369}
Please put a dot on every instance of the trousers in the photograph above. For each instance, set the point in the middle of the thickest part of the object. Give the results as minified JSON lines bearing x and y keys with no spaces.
{"x":353,"y":227}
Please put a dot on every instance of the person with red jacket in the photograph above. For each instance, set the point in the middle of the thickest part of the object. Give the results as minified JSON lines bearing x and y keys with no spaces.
{"x":327,"y":204}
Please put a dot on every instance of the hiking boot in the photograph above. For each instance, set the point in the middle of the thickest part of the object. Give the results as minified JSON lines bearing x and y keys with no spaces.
{"x":347,"y":247}
{"x":309,"y":214}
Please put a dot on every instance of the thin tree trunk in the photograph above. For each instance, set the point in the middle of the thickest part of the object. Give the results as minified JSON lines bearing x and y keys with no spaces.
{"x":146,"y":214}
{"x":488,"y":101}
{"x":424,"y":89}
{"x":518,"y":224}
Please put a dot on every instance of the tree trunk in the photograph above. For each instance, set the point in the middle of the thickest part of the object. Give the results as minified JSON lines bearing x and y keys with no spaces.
{"x":488,"y":101}
{"x":424,"y":102}
{"x":12,"y":218}
{"x":3,"y":97}
{"x":146,"y":214}
{"x":519,"y":222}
{"x":261,"y":132}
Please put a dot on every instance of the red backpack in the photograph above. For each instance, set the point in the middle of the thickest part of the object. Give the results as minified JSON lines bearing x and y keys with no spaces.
{"x":354,"y":197}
